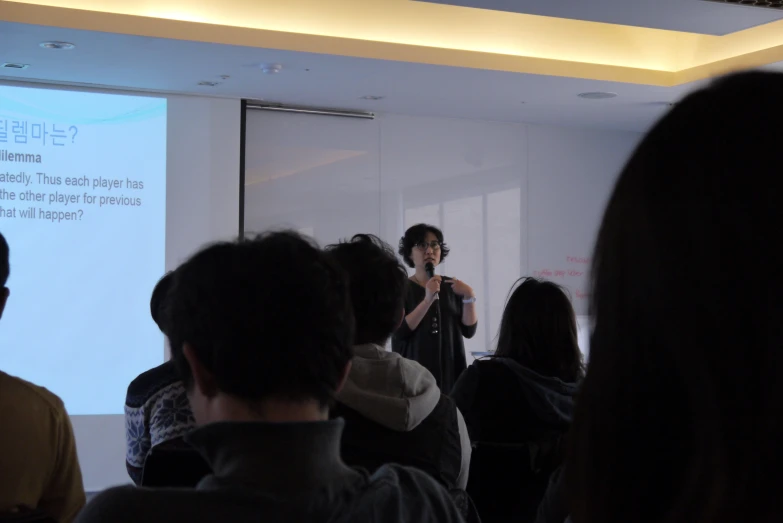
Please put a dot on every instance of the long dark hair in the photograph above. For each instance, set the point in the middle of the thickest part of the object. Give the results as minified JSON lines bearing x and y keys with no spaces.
{"x":680,"y":417}
{"x":538,"y":330}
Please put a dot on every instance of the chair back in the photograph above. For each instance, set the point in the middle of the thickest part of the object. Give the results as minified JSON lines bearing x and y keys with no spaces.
{"x":173,"y":466}
{"x":508,"y":481}
{"x":26,"y":515}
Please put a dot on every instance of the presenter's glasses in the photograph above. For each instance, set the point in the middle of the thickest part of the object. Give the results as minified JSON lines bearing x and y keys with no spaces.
{"x":422,"y":246}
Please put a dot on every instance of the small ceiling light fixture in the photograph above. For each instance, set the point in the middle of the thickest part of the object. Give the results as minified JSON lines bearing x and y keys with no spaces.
{"x":208,"y":84}
{"x":597,"y":95}
{"x":58,"y":46}
{"x":372,"y":98}
{"x":271,"y":68}
{"x":9,"y":65}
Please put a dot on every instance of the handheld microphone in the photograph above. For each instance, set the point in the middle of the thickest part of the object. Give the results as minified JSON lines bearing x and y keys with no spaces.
{"x":429,"y":268}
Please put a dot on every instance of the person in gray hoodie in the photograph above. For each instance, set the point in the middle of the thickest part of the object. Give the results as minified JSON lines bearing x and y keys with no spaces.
{"x":519,"y":402}
{"x":392,"y":406}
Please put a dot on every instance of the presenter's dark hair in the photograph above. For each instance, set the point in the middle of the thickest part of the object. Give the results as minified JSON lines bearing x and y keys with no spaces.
{"x":538,"y":330}
{"x":680,"y":416}
{"x":5,"y":265}
{"x":157,"y":301}
{"x":416,"y":234}
{"x":268,"y":317}
{"x":377,"y":281}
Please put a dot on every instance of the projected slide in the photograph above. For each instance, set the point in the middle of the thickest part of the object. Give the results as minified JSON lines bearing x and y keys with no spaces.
{"x":83,"y":207}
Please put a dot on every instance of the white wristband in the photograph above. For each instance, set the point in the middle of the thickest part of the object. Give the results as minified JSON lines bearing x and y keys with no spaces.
{"x":469,"y":300}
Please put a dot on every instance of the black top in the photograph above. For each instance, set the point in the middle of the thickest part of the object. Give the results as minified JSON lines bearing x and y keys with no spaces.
{"x":437,"y":342}
{"x":433,"y":446}
{"x":505,"y":402}
{"x":517,"y":420}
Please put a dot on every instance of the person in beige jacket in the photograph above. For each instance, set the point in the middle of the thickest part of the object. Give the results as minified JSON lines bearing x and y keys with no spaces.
{"x":39,"y":468}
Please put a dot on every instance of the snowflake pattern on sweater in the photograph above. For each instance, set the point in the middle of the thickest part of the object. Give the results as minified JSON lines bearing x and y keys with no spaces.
{"x":156,"y":411}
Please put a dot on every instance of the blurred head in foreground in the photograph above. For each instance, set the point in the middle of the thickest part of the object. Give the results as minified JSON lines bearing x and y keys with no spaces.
{"x":680,"y":416}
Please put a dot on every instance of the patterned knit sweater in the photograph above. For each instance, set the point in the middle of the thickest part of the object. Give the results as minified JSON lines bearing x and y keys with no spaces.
{"x":156,"y":411}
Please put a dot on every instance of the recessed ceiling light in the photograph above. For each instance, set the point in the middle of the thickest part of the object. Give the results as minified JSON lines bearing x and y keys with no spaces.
{"x":271,"y":68}
{"x":208,"y":84}
{"x":597,"y":95}
{"x":58,"y":46}
{"x":372,"y":98}
{"x":9,"y":65}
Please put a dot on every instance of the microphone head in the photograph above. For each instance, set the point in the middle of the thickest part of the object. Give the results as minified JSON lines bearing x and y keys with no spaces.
{"x":429,"y":268}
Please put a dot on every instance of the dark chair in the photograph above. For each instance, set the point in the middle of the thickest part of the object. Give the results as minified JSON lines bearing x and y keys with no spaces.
{"x":555,"y":507}
{"x":26,"y":515}
{"x":508,"y":481}
{"x":173,"y":466}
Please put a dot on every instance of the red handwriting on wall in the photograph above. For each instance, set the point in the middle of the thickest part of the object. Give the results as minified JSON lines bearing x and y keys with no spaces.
{"x":567,"y":273}
{"x":557,"y":273}
{"x":580,"y":295}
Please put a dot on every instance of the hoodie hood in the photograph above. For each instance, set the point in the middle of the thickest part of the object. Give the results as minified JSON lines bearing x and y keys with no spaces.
{"x":550,"y":399}
{"x":388,"y":389}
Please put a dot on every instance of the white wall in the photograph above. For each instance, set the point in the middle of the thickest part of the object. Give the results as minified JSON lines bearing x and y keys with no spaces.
{"x":512,"y":199}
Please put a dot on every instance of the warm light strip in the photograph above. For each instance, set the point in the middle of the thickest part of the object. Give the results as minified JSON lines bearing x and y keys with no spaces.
{"x":423,"y":32}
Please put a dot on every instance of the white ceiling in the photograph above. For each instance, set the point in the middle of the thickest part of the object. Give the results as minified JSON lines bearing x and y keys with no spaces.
{"x":175,"y":66}
{"x":692,"y":16}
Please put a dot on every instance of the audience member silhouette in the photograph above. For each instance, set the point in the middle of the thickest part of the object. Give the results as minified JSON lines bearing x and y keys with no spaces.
{"x":156,"y":406}
{"x":39,"y":468}
{"x":261,"y":333}
{"x":679,"y":417}
{"x":518,"y":403}
{"x":394,"y":411}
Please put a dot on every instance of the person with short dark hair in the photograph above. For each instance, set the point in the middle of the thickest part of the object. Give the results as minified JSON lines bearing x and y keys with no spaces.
{"x":439,"y":311}
{"x":261,"y":332}
{"x":518,"y":403}
{"x":680,"y":416}
{"x":393,"y":409}
{"x":39,"y":466}
{"x":156,"y":406}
